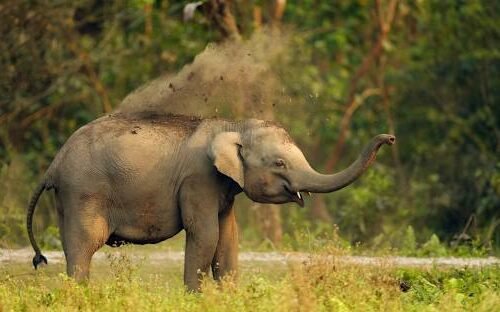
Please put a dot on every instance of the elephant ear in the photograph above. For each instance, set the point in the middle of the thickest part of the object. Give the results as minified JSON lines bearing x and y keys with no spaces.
{"x":224,"y":152}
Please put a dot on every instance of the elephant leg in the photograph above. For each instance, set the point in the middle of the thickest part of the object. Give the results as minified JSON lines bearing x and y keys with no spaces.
{"x":200,"y":249}
{"x":85,"y":231}
{"x":200,"y":221}
{"x":226,"y":255}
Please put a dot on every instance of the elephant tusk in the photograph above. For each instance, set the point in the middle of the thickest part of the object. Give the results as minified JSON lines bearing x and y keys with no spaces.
{"x":298,"y":195}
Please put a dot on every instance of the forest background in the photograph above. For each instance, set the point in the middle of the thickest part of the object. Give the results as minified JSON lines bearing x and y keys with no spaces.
{"x":334,"y":73}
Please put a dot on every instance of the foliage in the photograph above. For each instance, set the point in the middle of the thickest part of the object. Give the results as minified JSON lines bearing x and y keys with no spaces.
{"x":460,"y":288}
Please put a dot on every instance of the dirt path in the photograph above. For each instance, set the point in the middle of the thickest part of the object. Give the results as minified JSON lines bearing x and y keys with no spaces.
{"x":25,"y":255}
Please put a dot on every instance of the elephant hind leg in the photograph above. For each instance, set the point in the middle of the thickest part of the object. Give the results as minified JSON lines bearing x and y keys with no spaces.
{"x":225,"y":261}
{"x":85,"y":231}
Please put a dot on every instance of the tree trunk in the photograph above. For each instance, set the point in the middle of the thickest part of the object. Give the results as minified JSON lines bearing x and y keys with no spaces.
{"x":268,"y":220}
{"x":219,"y":12}
{"x":319,"y":210}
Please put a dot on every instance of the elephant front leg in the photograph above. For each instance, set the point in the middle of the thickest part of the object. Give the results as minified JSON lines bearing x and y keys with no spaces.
{"x":225,"y":262}
{"x":200,"y":220}
{"x":200,"y":249}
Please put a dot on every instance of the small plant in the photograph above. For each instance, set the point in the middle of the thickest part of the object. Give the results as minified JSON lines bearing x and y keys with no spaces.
{"x":50,"y":239}
{"x":122,"y":266}
{"x":409,"y":242}
{"x":433,"y":248}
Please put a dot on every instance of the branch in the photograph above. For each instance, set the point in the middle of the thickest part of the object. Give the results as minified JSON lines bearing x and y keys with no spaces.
{"x":29,"y":101}
{"x":346,"y":119}
{"x":39,"y":113}
{"x":384,"y":25}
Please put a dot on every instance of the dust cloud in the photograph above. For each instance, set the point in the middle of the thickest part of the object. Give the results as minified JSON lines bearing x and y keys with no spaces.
{"x":231,"y":80}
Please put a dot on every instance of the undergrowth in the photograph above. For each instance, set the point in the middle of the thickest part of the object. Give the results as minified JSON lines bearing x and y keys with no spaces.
{"x":318,"y":284}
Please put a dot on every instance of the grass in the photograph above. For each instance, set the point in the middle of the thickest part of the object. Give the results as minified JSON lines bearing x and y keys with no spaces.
{"x":320,"y":284}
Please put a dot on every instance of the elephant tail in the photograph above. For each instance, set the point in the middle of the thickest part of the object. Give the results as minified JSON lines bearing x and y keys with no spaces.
{"x":38,"y":258}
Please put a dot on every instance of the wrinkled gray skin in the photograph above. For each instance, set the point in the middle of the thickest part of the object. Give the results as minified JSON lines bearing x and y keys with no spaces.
{"x":143,"y":178}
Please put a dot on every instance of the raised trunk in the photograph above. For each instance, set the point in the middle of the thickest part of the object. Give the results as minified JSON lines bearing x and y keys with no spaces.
{"x":312,"y":181}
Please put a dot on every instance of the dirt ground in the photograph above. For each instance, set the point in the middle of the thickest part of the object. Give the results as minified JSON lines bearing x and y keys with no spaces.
{"x":10,"y":256}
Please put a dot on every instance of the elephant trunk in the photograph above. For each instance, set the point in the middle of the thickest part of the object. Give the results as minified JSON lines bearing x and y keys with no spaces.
{"x":312,"y":181}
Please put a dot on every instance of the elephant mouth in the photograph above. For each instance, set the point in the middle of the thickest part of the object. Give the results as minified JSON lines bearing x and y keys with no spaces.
{"x":295,"y":196}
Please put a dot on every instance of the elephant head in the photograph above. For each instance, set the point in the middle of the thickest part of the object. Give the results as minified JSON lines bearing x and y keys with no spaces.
{"x":265,"y":162}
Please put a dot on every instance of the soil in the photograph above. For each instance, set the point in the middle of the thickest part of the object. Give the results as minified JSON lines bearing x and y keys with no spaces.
{"x":25,"y":255}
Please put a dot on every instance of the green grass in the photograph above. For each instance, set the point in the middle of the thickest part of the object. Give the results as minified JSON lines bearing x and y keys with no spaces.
{"x":122,"y":284}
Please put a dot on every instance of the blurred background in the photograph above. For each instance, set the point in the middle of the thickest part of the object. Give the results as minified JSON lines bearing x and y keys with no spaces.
{"x":334,"y":73}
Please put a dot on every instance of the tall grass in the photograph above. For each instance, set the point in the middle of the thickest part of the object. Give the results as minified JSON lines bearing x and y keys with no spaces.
{"x":319,"y":284}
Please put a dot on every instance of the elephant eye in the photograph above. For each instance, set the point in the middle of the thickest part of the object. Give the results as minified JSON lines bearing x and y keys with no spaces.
{"x":280,"y":163}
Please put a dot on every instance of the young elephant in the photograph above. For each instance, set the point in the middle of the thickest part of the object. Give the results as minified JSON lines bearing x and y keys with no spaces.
{"x":142,"y":178}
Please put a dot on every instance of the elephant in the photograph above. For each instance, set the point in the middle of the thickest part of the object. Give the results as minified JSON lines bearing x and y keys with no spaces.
{"x":143,"y":177}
